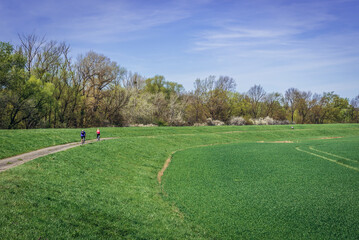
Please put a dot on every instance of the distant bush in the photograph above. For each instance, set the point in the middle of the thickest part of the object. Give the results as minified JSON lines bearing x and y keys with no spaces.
{"x":211,"y":122}
{"x":199,"y":124}
{"x":257,"y":121}
{"x":143,"y":125}
{"x":218,"y":123}
{"x":283,"y":122}
{"x":177,"y":122}
{"x":268,"y":121}
{"x":238,"y":121}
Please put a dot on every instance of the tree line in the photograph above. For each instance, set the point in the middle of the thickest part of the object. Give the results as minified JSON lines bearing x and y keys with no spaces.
{"x":41,"y":86}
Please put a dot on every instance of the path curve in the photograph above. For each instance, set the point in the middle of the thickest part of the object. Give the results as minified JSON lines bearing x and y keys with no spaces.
{"x":17,"y":160}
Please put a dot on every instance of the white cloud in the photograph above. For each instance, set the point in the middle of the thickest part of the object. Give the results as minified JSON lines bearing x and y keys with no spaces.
{"x":95,"y":21}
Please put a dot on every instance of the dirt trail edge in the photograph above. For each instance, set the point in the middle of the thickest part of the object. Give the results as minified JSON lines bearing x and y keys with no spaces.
{"x":14,"y":161}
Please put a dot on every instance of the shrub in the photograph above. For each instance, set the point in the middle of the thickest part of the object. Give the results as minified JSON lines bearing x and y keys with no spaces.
{"x":142,"y":125}
{"x":199,"y":124}
{"x":238,"y":121}
{"x":177,"y":122}
{"x":282,"y":122}
{"x":258,"y":121}
{"x":218,"y":123}
{"x":211,"y":122}
{"x":268,"y":121}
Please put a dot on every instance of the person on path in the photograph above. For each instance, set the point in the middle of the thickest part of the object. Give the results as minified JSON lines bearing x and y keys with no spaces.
{"x":83,"y":136}
{"x":98,"y":134}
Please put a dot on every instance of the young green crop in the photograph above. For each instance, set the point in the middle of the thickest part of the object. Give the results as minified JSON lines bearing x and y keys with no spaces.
{"x":267,"y":190}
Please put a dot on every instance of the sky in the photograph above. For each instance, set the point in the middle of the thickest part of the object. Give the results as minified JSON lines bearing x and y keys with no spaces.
{"x":278,"y":44}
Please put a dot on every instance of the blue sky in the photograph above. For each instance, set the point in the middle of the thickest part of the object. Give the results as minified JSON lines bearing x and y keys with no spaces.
{"x":309,"y":45}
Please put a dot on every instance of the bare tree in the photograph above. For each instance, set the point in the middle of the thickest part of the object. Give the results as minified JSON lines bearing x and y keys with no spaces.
{"x":30,"y":47}
{"x":305,"y":103}
{"x":291,"y":96}
{"x":198,"y":111}
{"x":96,"y":73}
{"x":133,"y":81}
{"x":115,"y":99}
{"x":176,"y":109}
{"x":50,"y":59}
{"x":256,"y":94}
{"x":272,"y":102}
{"x":225,"y":83}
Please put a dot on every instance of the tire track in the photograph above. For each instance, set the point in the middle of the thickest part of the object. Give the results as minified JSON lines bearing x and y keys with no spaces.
{"x":331,"y":154}
{"x":328,"y":159}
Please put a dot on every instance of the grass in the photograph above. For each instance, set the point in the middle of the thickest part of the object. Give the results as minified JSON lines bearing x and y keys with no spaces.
{"x":271,"y":191}
{"x":14,"y":142}
{"x":109,"y":189}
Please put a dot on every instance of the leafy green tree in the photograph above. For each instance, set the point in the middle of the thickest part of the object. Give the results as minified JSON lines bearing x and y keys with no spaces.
{"x":11,"y":67}
{"x":158,"y":84}
{"x":27,"y":102}
{"x":331,"y":108}
{"x":240,"y":105}
{"x":155,"y":84}
{"x":338,"y":111}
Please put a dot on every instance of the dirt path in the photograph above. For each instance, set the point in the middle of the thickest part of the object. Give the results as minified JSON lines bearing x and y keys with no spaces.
{"x":14,"y":161}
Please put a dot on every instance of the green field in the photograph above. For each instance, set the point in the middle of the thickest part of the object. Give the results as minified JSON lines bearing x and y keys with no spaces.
{"x":268,"y":190}
{"x":233,"y":188}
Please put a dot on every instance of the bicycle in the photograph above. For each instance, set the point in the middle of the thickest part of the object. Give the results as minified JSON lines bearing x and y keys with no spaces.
{"x":98,"y":134}
{"x":83,"y":136}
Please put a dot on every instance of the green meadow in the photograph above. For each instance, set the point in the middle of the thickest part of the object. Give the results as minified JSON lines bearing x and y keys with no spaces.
{"x":268,"y":190}
{"x":222,"y":183}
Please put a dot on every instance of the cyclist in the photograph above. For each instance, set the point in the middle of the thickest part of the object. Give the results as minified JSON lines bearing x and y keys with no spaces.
{"x":98,"y":134}
{"x":83,"y":136}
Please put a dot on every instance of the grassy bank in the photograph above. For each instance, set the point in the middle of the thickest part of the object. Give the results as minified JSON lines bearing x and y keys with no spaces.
{"x":14,"y":142}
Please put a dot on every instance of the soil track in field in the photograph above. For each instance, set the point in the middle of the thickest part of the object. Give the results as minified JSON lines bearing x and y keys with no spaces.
{"x":17,"y":160}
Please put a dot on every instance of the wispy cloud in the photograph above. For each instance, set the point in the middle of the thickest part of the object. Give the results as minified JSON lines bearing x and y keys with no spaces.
{"x":269,"y":23}
{"x":258,"y":41}
{"x":113,"y":22}
{"x":96,"y":21}
{"x":288,"y":35}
